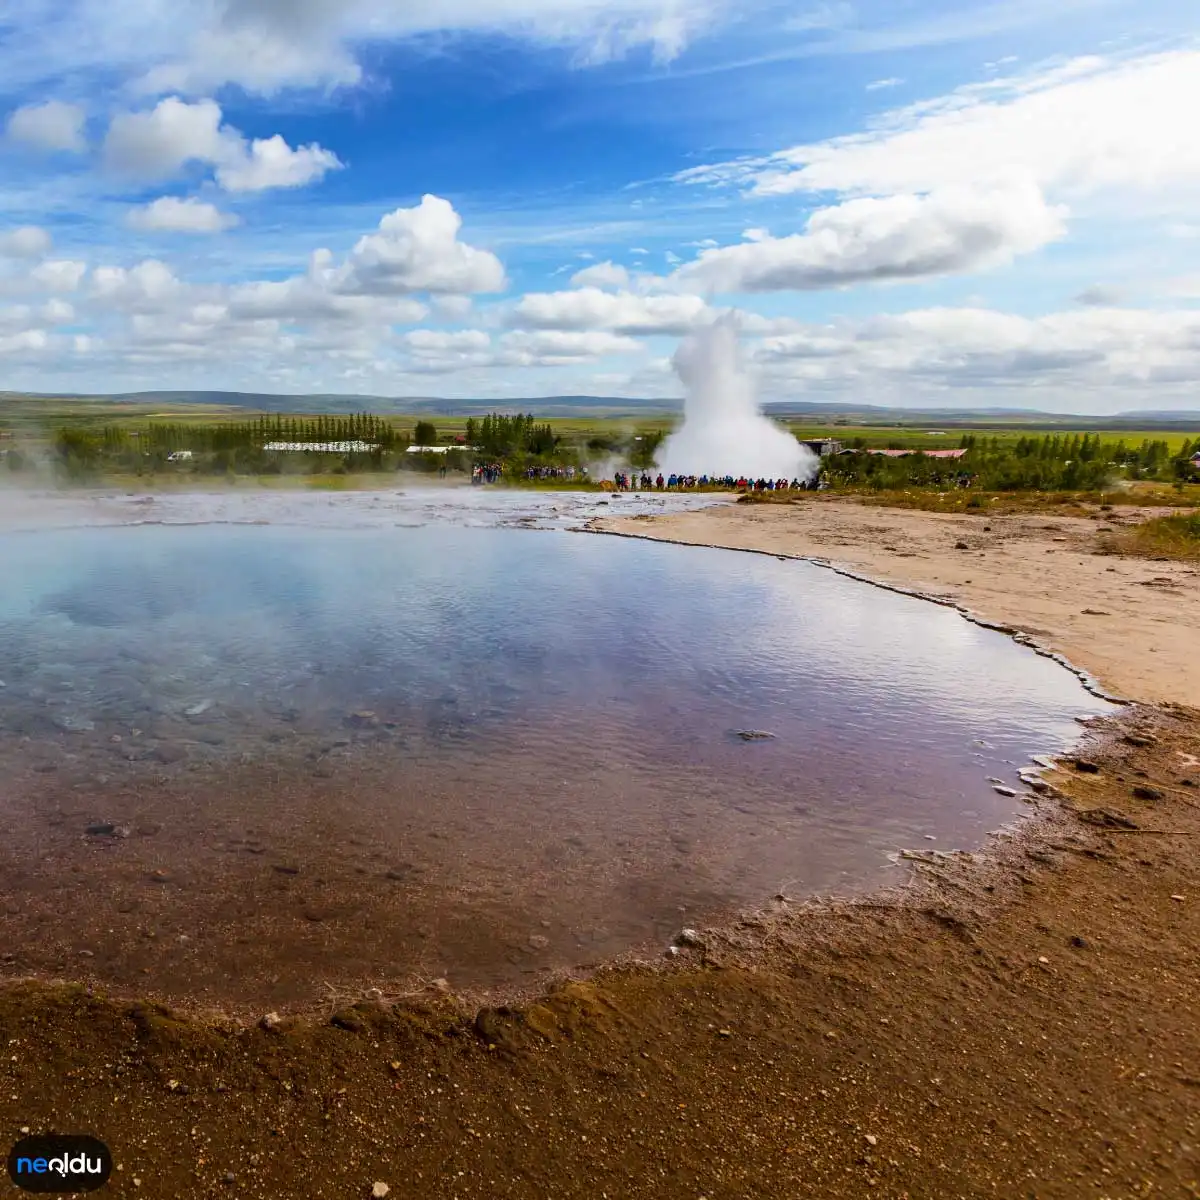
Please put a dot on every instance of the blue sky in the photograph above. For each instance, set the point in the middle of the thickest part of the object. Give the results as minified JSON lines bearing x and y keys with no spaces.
{"x":910,"y":203}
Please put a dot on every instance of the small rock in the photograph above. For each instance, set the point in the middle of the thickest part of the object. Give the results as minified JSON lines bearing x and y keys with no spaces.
{"x":1087,"y":767}
{"x":228,"y":1178}
{"x":1142,"y":792}
{"x":170,"y":752}
{"x":442,"y":985}
{"x":270,"y":1022}
{"x":725,"y":1033}
{"x":25,"y":1129}
{"x":379,"y":1190}
{"x":1043,"y":960}
{"x":538,"y":941}
{"x":1141,"y":739}
{"x":160,"y":876}
{"x":754,"y":735}
{"x":196,"y":710}
{"x":1079,"y":943}
{"x":690,"y":938}
{"x":872,"y":1140}
{"x":101,"y":829}
{"x":1178,"y":899}
{"x":70,"y":724}
{"x":286,"y":869}
{"x":672,"y":952}
{"x":961,"y":546}
{"x":364,"y":718}
{"x":1004,"y":789}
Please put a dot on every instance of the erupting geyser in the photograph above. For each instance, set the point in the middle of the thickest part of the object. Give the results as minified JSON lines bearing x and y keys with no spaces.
{"x":724,"y":432}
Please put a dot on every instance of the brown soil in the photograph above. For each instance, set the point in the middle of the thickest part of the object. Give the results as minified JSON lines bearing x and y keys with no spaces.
{"x":1017,"y":1024}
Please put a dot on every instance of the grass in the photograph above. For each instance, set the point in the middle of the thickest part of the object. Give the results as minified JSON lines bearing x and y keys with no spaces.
{"x":1176,"y":536}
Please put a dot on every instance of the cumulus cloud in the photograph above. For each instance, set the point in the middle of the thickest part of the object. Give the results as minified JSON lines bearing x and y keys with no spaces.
{"x":26,"y":241}
{"x":1089,"y":124}
{"x":168,"y":214}
{"x":418,"y":250}
{"x":58,"y":275}
{"x":158,"y":143}
{"x":898,"y":237}
{"x":617,"y":312}
{"x":440,"y":341}
{"x":272,"y":163}
{"x":602,"y":275}
{"x":51,"y":126}
{"x":27,"y":339}
{"x":146,"y":286}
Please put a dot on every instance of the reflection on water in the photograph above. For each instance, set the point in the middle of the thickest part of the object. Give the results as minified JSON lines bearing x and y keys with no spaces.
{"x":495,"y":751}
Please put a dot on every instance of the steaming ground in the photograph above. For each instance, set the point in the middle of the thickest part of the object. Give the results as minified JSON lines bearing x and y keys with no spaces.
{"x":724,"y":431}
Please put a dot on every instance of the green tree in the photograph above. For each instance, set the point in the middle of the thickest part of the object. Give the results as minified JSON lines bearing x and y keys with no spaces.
{"x":425,"y":434}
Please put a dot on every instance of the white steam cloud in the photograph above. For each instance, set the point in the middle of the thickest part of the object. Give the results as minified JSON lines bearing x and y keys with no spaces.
{"x":724,"y":432}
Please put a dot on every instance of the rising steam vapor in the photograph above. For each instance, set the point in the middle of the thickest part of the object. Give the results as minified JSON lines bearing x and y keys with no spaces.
{"x":724,"y":432}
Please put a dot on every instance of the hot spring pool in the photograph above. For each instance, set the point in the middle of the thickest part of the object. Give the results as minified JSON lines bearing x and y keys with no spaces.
{"x":372,"y":755}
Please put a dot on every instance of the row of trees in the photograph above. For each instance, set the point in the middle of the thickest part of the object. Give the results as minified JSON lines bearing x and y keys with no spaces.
{"x":500,"y":436}
{"x":1053,"y":463}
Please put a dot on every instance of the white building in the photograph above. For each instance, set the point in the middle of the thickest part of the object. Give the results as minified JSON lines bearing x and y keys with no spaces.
{"x":324,"y":447}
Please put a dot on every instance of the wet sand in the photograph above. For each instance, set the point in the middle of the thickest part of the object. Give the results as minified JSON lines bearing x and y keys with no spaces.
{"x":1022,"y":1022}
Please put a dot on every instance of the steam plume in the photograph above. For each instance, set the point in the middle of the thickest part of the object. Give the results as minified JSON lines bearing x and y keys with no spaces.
{"x":724,"y":431}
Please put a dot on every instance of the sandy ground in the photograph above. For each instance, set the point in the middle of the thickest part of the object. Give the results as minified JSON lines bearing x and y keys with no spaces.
{"x":1022,"y":1023}
{"x":1127,"y":621}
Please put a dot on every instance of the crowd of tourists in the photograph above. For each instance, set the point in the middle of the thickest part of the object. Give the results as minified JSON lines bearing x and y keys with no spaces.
{"x":627,"y":482}
{"x":554,"y":472}
{"x":487,"y":472}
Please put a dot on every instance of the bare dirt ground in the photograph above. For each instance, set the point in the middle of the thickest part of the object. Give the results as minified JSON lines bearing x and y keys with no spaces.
{"x":1017,"y":1024}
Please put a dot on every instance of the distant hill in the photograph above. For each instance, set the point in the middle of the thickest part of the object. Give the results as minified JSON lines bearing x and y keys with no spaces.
{"x":815,"y":412}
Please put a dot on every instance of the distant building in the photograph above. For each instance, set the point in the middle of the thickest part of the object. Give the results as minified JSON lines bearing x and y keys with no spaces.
{"x":324,"y":447}
{"x":1196,"y":459}
{"x":179,"y":456}
{"x":436,"y":449}
{"x":823,"y":446}
{"x":927,"y":453}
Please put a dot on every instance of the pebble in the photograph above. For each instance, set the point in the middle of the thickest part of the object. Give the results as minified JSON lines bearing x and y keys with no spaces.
{"x":1141,"y":792}
{"x":1043,"y":960}
{"x":689,"y":937}
{"x":538,"y":941}
{"x":379,"y":1190}
{"x":1179,"y":899}
{"x":1004,"y":789}
{"x":872,"y":1140}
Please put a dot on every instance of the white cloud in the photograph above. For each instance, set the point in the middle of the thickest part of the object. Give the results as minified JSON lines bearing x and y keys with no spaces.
{"x":619,"y":312}
{"x":945,"y":348}
{"x":417,"y":250}
{"x":899,"y":237}
{"x":272,"y":163}
{"x":27,"y":241}
{"x":1088,"y":125}
{"x":879,"y":85}
{"x":440,"y":342}
{"x":27,"y":339}
{"x":160,"y":142}
{"x":144,"y":287}
{"x":561,"y":345}
{"x":603,"y":275}
{"x":266,"y":45}
{"x":49,"y":127}
{"x":58,"y":275}
{"x":155,"y":144}
{"x":168,"y":214}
